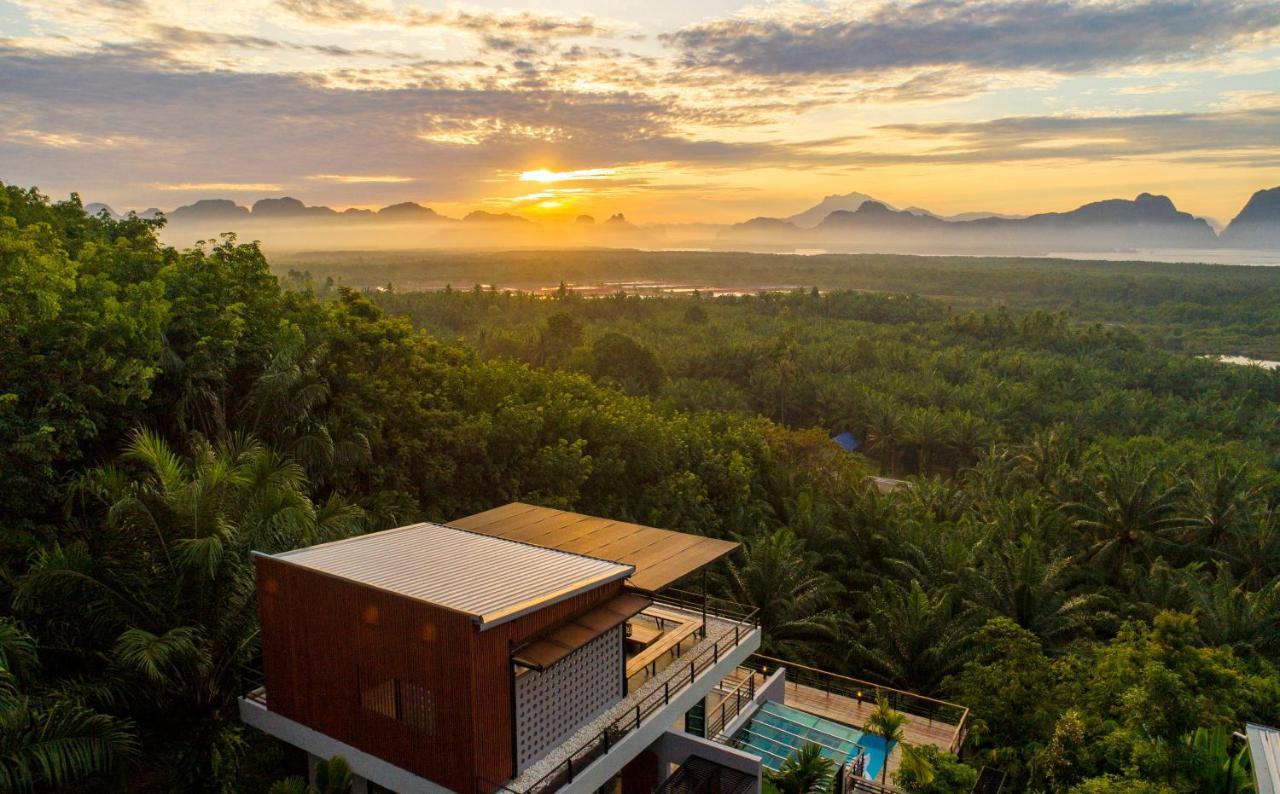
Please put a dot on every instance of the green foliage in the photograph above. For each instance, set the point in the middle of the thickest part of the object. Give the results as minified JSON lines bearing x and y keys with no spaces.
{"x":332,"y":777}
{"x":81,"y":329}
{"x":1086,"y":549}
{"x":926,"y":770}
{"x":806,"y":771}
{"x":164,"y":590}
{"x":778,"y":577}
{"x":50,"y":739}
{"x":889,"y":725}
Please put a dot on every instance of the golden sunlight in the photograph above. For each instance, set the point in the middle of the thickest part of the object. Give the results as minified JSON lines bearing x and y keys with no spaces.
{"x":545,"y":175}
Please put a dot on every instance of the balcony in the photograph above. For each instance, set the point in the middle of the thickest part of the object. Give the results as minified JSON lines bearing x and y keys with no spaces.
{"x":678,"y":650}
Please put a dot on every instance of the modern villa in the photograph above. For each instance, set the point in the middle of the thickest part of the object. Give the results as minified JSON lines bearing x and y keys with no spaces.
{"x":528,"y":650}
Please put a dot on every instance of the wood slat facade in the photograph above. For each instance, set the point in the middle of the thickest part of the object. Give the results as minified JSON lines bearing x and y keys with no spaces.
{"x":415,"y":684}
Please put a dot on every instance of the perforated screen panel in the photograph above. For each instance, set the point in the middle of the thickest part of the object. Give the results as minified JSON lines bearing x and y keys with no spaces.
{"x":552,"y":705}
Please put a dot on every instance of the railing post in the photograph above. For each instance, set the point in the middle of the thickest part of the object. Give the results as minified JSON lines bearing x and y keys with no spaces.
{"x":666,"y":691}
{"x":569,"y":761}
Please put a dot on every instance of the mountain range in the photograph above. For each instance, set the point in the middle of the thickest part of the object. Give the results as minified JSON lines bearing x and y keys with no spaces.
{"x":856,"y":221}
{"x":848,"y":222}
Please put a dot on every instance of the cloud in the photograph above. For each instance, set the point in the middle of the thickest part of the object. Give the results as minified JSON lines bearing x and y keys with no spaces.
{"x":501,"y":26}
{"x":336,"y":12}
{"x":356,"y":179}
{"x":228,"y":187}
{"x":67,"y":140}
{"x":257,"y":129}
{"x":1247,"y":136}
{"x":1059,"y":36}
{"x":586,"y":174}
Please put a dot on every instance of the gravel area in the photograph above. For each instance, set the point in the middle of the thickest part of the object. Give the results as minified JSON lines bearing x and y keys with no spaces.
{"x":716,"y":629}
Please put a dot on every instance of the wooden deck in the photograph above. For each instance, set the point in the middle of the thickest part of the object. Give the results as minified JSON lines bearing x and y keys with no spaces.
{"x":849,"y":711}
{"x":666,"y":643}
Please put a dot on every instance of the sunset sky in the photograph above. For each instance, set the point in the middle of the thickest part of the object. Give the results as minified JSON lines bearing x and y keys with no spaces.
{"x":668,"y":111}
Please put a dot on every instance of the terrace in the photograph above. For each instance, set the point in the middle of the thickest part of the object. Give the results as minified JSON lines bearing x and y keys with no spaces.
{"x":830,"y":710}
{"x":674,"y":644}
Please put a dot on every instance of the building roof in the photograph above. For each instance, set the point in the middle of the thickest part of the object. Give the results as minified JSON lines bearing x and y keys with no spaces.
{"x":847,"y":441}
{"x":660,"y":556}
{"x":1264,"y":750}
{"x":491,"y":579}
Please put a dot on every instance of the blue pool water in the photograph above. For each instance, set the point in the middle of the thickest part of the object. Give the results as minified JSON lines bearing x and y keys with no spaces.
{"x":776,"y":731}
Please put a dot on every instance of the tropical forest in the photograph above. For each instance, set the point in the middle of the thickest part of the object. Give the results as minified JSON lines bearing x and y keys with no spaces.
{"x":1048,"y":505}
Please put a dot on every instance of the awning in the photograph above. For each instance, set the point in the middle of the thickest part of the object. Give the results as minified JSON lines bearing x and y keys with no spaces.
{"x":568,"y":637}
{"x":660,"y":556}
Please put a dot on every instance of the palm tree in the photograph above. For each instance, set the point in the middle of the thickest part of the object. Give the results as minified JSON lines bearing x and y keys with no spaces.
{"x":778,"y":576}
{"x":884,"y":433}
{"x":889,"y":725}
{"x":806,"y":771}
{"x":911,"y":638}
{"x":332,"y":777}
{"x":1230,"y":614}
{"x":926,"y":431}
{"x":1051,"y":457}
{"x":1217,"y":768}
{"x":1255,"y":547}
{"x":287,"y":407}
{"x":163,"y":585}
{"x":49,"y":740}
{"x":1127,"y":510}
{"x":1032,"y":584}
{"x":914,"y":766}
{"x":1217,"y":501}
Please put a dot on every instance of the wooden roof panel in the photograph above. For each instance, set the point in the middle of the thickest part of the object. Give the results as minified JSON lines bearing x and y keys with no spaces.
{"x":660,"y":556}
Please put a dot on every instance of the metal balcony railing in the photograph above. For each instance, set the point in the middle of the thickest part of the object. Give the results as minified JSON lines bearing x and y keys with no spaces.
{"x":931,"y":710}
{"x":688,"y":670}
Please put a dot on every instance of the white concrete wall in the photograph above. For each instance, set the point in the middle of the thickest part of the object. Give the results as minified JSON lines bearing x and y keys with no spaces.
{"x":673,"y":748}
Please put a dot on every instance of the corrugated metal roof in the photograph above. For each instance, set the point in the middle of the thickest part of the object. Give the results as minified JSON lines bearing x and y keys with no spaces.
{"x":491,"y":579}
{"x":1264,"y":751}
{"x":660,"y":556}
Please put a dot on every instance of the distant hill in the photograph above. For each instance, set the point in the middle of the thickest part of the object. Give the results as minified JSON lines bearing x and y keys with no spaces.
{"x":1258,"y":224}
{"x":876,"y":215}
{"x":480,"y":216}
{"x":766,"y":225}
{"x":286,"y":207}
{"x":96,"y":207}
{"x":962,"y":216}
{"x":819,"y":212}
{"x":209,"y":210}
{"x":408,"y":210}
{"x":1147,"y":221}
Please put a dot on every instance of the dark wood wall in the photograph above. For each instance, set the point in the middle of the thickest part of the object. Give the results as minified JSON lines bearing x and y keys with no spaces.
{"x":415,"y":684}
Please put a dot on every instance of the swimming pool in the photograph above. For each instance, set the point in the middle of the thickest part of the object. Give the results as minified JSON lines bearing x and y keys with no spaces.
{"x":776,"y":731}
